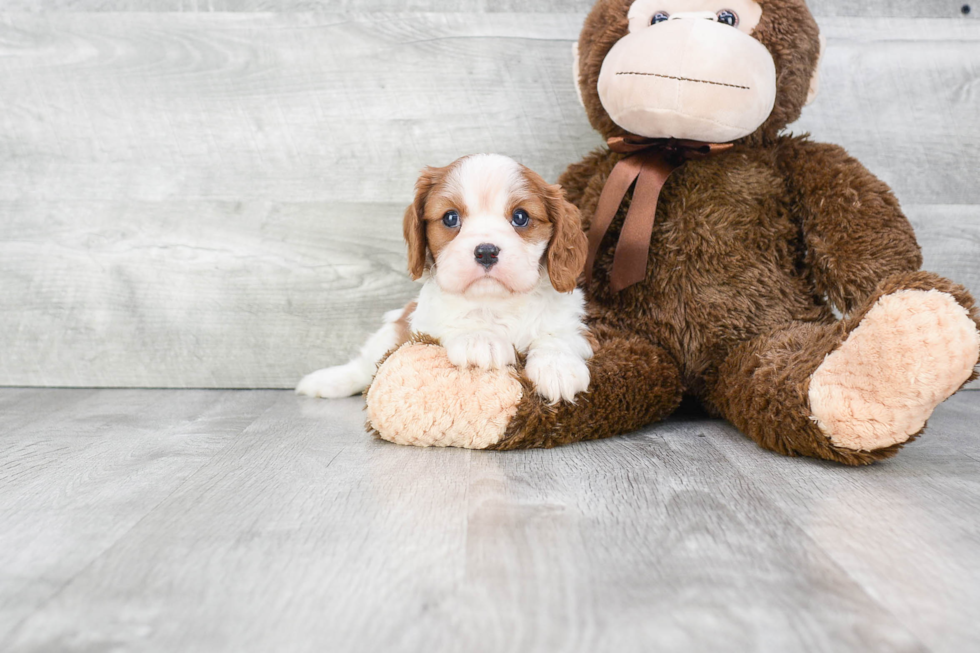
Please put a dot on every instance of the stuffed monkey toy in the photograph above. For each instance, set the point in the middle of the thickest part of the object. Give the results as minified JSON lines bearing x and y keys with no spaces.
{"x":719,"y":247}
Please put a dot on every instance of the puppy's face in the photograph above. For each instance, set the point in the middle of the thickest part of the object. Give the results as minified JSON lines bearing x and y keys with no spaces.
{"x":491,"y":227}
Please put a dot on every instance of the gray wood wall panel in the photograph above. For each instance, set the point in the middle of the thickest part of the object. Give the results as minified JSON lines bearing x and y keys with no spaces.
{"x":214,"y":199}
{"x":876,"y":8}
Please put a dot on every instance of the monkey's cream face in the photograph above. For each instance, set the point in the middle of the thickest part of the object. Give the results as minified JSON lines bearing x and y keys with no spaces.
{"x":689,"y":69}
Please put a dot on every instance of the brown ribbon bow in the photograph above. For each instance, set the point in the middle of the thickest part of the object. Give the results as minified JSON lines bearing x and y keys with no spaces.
{"x":649,"y":162}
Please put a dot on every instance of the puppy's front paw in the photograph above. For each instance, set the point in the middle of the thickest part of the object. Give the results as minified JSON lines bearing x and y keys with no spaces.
{"x":481,"y":350}
{"x":556,"y":375}
{"x":334,"y":382}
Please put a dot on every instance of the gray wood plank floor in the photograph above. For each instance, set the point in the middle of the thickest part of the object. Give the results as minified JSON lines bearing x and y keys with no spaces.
{"x":156,"y":520}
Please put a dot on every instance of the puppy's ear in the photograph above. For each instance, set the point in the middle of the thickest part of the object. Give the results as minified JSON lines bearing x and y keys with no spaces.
{"x":569,"y":246}
{"x":413,"y":225}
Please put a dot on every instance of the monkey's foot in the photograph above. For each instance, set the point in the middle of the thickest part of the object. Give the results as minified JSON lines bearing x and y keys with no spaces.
{"x":912,"y":350}
{"x":419,"y":397}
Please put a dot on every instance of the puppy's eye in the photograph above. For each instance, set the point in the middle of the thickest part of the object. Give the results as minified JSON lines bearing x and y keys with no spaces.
{"x":520,"y":218}
{"x":659,"y":17}
{"x":451,"y":219}
{"x":728,"y":17}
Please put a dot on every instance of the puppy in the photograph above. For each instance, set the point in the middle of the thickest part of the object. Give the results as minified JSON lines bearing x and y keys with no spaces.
{"x":500,"y":251}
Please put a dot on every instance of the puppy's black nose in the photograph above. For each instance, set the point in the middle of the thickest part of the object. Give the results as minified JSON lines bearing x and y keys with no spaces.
{"x":486,"y":255}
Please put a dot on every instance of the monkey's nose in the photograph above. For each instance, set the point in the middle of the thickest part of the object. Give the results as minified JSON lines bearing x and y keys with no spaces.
{"x":486,"y":254}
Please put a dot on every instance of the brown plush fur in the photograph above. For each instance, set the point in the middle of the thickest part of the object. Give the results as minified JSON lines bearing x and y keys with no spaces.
{"x":633,"y":383}
{"x":749,"y":251}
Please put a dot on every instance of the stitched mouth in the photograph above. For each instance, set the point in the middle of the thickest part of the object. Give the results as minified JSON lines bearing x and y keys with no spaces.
{"x":685,"y":79}
{"x":488,"y":282}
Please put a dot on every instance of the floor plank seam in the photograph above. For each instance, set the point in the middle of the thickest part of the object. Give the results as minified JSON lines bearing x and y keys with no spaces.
{"x":828,"y":555}
{"x":122,"y":536}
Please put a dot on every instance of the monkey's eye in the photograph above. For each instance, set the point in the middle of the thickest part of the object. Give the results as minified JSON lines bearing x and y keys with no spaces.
{"x":659,"y":17}
{"x":728,"y":17}
{"x":520,"y":218}
{"x":451,"y":219}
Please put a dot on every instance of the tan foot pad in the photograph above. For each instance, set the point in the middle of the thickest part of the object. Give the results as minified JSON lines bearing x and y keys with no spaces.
{"x":911,"y":351}
{"x":418,"y":397}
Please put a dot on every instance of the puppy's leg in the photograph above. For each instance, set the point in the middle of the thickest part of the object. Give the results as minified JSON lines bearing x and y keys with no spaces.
{"x":352,"y":378}
{"x":481,"y":349}
{"x":556,"y":366}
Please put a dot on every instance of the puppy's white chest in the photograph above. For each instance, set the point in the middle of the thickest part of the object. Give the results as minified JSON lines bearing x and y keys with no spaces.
{"x":442,"y":314}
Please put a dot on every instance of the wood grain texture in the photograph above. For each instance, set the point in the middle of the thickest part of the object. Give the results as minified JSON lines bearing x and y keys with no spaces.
{"x":173,"y":294}
{"x":887,"y":528}
{"x":875,"y":8}
{"x":91,"y":466}
{"x":257,"y":521}
{"x":198,"y":199}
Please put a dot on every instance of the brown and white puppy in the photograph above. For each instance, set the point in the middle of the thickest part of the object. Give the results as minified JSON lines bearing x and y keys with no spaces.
{"x":499,"y":251}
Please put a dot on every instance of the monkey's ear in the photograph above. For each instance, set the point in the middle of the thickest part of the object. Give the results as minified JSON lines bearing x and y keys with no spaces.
{"x":815,"y":79}
{"x":413,"y":224}
{"x":576,"y":73}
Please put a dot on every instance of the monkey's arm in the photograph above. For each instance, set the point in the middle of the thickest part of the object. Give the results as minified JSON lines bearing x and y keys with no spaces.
{"x":854,"y":231}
